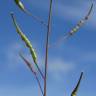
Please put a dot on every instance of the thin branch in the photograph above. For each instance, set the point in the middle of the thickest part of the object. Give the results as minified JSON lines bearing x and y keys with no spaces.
{"x":28,"y":44}
{"x":47,"y":42}
{"x":74,"y":92}
{"x":75,"y":29}
{"x":22,"y":7}
{"x":40,"y":71}
{"x":31,"y":68}
{"x":38,"y":19}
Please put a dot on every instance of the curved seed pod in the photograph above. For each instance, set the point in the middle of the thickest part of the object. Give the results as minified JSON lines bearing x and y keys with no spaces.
{"x":28,"y":44}
{"x":74,"y":92}
{"x":75,"y":29}
{"x":81,"y":22}
{"x":22,"y":7}
{"x":25,"y":39}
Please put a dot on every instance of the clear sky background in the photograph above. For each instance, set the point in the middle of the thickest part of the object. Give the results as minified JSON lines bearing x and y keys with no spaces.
{"x":66,"y":60}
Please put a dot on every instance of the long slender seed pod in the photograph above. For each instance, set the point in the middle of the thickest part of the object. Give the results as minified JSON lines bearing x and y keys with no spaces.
{"x":81,"y":22}
{"x":28,"y":44}
{"x":25,"y":39}
{"x":75,"y":29}
{"x":74,"y":92}
{"x":31,"y":68}
{"x":22,"y":7}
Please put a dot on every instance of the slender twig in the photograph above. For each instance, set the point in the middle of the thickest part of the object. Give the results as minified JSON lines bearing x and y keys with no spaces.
{"x":75,"y":29}
{"x":38,"y":19}
{"x":74,"y":92}
{"x":40,"y":71}
{"x":32,"y":70}
{"x":47,"y":41}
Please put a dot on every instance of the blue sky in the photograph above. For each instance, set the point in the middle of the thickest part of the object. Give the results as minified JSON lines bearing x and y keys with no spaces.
{"x":66,"y":60}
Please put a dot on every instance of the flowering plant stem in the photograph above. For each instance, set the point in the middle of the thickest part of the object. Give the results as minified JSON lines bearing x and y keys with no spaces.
{"x":47,"y":42}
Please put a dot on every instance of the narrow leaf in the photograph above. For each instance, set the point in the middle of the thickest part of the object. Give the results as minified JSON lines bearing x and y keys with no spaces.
{"x":74,"y":92}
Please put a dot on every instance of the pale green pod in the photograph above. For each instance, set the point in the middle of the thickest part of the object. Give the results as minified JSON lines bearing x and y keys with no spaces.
{"x":28,"y":44}
{"x":25,"y":39}
{"x":74,"y":92}
{"x":20,"y":5}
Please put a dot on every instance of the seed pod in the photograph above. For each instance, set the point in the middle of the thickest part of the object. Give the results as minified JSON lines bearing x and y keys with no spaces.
{"x":81,"y":22}
{"x":20,"y":5}
{"x":25,"y":39}
{"x":75,"y":29}
{"x":74,"y":92}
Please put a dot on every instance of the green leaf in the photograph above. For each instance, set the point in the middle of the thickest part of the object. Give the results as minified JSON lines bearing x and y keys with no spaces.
{"x":25,"y":39}
{"x":74,"y":92}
